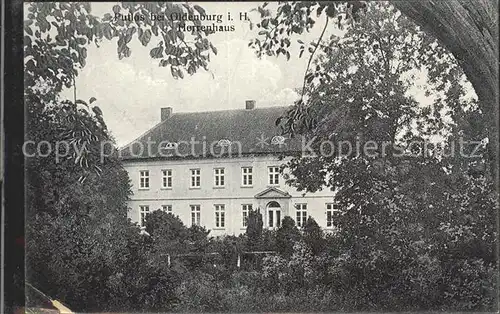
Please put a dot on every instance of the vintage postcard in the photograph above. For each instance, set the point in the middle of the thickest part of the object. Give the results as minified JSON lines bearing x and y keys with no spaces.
{"x":304,"y":156}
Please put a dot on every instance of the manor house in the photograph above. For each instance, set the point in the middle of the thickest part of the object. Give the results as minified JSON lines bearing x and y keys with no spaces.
{"x":212,"y":168}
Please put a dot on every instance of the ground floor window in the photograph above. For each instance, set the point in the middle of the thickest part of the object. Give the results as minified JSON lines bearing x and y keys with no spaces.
{"x":332,"y":210}
{"x":143,"y":210}
{"x":167,"y":208}
{"x":220,"y":216}
{"x":301,"y":217}
{"x":195,"y":215}
{"x":246,"y":209}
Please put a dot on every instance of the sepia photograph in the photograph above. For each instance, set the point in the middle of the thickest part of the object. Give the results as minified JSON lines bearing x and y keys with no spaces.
{"x":261,"y":157}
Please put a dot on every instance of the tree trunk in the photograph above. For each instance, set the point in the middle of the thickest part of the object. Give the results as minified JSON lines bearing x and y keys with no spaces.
{"x":469,"y":30}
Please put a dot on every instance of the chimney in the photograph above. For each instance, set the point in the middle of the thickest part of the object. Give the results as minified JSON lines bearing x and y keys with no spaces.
{"x":250,"y":104}
{"x":166,"y":113}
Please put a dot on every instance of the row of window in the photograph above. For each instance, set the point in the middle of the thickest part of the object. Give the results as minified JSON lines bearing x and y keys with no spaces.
{"x":273,"y":215}
{"x":219,"y":177}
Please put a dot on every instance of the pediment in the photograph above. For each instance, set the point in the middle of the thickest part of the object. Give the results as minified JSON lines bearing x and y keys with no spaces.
{"x":273,"y":192}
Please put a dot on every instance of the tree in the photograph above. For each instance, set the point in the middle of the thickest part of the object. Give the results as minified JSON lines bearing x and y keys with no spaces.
{"x":57,"y":59}
{"x":362,"y":98}
{"x":313,"y":236}
{"x":198,"y":236}
{"x":52,"y":63}
{"x":468,"y":29}
{"x":254,"y":229}
{"x":81,"y":246}
{"x":401,"y":209}
{"x":78,"y":235}
{"x":286,"y":237}
{"x":168,"y":234}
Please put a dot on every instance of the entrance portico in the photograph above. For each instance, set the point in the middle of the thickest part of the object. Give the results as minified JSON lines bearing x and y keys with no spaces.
{"x":274,"y":205}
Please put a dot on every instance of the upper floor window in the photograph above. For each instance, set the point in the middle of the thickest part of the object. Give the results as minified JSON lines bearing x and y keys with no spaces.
{"x":166,"y":208}
{"x":220,"y":216}
{"x":166,"y":182}
{"x":246,"y":209}
{"x":144,"y":179}
{"x":301,"y":210}
{"x":274,"y":175}
{"x":219,"y":177}
{"x":195,"y":215}
{"x":195,"y":178}
{"x":332,"y":210}
{"x":144,"y":211}
{"x":246,"y":176}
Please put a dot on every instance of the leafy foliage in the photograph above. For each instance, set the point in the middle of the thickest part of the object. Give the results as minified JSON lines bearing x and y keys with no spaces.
{"x":254,"y":228}
{"x":295,"y":18}
{"x":57,"y":59}
{"x":57,"y":35}
{"x":286,"y":236}
{"x":78,"y":234}
{"x":313,"y":236}
{"x":414,"y":233}
{"x":408,"y":219}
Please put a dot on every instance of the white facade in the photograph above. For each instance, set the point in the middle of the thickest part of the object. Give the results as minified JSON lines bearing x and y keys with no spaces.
{"x":218,"y":192}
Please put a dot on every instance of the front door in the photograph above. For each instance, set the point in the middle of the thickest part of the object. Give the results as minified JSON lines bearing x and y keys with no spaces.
{"x":273,"y":213}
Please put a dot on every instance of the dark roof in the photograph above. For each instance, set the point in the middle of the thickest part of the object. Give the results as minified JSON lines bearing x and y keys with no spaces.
{"x":245,"y":127}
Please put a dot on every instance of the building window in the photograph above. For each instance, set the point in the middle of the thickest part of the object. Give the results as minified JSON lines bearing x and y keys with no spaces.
{"x":195,"y":215}
{"x":144,"y":211}
{"x":301,"y":214}
{"x":274,"y":218}
{"x":166,"y":179}
{"x":246,"y":176}
{"x":246,"y":209}
{"x":220,"y":216}
{"x":273,"y":214}
{"x":195,"y":178}
{"x":274,"y":175}
{"x":332,"y":210}
{"x":166,"y":208}
{"x":219,"y":177}
{"x":144,"y":179}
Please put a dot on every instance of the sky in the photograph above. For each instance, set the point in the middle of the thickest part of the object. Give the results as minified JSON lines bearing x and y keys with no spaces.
{"x":131,"y":91}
